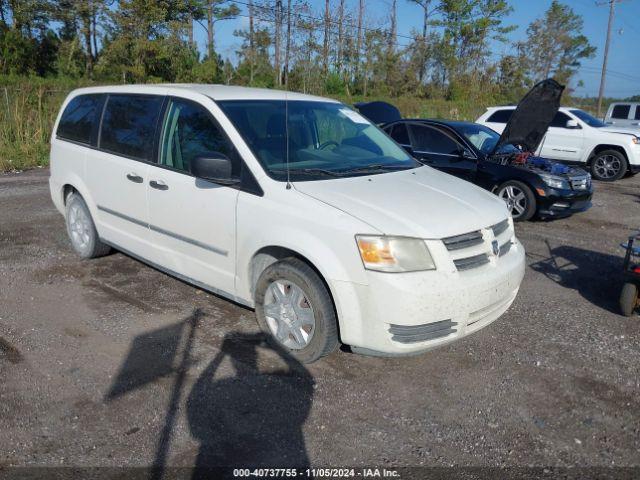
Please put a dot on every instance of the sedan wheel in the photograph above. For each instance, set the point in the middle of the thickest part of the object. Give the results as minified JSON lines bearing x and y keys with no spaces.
{"x":519,"y":199}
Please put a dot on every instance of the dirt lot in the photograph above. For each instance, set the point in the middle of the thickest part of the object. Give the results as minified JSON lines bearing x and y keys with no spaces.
{"x":109,"y":363}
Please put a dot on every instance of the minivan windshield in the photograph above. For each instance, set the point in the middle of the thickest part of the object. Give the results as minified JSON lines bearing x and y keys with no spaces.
{"x":588,"y":119}
{"x":325,"y":139}
{"x":483,"y":138}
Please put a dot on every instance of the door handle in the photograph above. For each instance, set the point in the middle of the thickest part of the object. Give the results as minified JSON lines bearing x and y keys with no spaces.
{"x":158,"y":185}
{"x":134,"y":177}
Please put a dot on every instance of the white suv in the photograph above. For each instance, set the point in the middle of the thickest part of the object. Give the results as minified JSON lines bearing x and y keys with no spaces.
{"x":293,"y":205}
{"x":576,"y":137}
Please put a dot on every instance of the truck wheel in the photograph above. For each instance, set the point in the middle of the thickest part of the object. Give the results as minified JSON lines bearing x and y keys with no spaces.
{"x":519,"y":198}
{"x":608,"y":166}
{"x":629,"y":299}
{"x":295,"y":309}
{"x":81,"y":229}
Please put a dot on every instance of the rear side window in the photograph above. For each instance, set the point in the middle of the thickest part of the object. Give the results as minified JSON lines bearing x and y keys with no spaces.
{"x":128,"y":125}
{"x":621,"y":111}
{"x":500,"y":116}
{"x":637,"y":112}
{"x":80,"y":117}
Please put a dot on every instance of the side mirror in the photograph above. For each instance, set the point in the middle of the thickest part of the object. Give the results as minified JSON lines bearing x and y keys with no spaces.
{"x":572,"y":124}
{"x":215,"y":167}
{"x":467,"y":154}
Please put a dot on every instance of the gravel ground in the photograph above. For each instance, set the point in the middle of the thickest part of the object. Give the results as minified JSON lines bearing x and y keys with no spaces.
{"x":111,"y":363}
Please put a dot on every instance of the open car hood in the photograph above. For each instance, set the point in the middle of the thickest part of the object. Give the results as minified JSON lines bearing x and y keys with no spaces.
{"x":379,"y":112}
{"x":531,"y":119}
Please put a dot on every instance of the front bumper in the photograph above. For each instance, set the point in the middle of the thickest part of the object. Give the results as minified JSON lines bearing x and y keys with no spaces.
{"x":563,"y":203}
{"x":409,"y":313}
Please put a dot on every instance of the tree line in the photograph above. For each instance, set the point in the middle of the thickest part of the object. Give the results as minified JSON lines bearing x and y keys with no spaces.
{"x":328,"y":47}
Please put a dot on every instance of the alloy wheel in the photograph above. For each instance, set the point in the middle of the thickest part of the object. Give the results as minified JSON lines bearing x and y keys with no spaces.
{"x":515,"y":199}
{"x":289,"y":314}
{"x":607,"y":166}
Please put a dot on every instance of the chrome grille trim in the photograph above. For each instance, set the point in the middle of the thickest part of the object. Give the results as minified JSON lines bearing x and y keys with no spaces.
{"x":465,"y":240}
{"x":579,"y":183}
{"x":471,"y":262}
{"x":498,"y":228}
{"x":421,"y":333}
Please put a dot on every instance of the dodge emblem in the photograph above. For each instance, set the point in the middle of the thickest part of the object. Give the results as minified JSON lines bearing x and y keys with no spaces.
{"x":495,"y":247}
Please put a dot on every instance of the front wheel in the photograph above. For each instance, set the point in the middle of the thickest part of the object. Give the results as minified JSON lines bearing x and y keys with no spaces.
{"x":295,"y":309}
{"x":519,"y":198}
{"x":629,"y":299}
{"x":608,"y":166}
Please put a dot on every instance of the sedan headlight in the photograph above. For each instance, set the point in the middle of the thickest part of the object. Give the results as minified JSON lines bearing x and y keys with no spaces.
{"x":555,"y":182}
{"x":394,"y":254}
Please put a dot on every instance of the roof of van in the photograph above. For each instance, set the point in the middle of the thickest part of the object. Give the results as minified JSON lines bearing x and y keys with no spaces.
{"x":217,"y":92}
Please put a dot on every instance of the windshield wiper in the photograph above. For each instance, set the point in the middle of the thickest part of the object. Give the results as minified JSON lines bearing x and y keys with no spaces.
{"x":375,"y":168}
{"x":309,"y":171}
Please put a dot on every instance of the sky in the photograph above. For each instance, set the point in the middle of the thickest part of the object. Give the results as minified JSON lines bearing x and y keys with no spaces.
{"x":623,"y":77}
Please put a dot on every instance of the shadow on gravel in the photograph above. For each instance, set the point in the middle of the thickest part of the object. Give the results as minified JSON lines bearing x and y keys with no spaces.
{"x":596,"y":276}
{"x":251,"y":419}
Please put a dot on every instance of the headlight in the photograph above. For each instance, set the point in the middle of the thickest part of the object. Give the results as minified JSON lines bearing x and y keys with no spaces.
{"x":394,"y":254}
{"x":555,"y":182}
{"x":635,"y":140}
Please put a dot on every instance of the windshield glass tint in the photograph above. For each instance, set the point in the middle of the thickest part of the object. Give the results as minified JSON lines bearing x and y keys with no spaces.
{"x":588,"y":119}
{"x":483,"y":138}
{"x":325,"y":139}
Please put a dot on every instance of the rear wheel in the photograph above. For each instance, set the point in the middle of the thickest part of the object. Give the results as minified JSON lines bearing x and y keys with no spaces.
{"x":519,"y":198}
{"x":608,"y":166}
{"x":629,"y":299}
{"x":81,"y":229}
{"x":295,"y":309}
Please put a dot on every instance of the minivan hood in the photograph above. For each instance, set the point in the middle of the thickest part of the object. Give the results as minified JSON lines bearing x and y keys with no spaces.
{"x":421,"y":202}
{"x":531,"y":119}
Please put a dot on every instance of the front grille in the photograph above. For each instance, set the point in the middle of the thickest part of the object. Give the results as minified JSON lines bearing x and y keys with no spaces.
{"x":498,"y":228}
{"x":422,"y":333}
{"x":579,"y":183}
{"x":504,"y":249}
{"x":465,"y":240}
{"x":471,"y":262}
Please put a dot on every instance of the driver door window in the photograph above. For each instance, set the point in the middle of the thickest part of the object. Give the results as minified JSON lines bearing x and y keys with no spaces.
{"x":436,"y":148}
{"x":189,"y":132}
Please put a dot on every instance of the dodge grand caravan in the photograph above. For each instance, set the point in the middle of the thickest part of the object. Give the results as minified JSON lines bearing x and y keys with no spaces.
{"x":293,"y":205}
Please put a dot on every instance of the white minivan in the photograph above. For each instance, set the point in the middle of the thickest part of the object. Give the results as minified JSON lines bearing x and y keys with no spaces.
{"x":290,"y":204}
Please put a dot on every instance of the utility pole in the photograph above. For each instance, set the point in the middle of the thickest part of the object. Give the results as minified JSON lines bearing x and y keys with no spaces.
{"x":612,"y":7}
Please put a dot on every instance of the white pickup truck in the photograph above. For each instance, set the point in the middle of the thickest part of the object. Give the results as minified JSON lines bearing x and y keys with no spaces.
{"x":575,"y":137}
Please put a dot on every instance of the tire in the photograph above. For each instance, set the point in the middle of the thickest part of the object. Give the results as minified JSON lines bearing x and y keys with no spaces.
{"x":81,"y":229}
{"x":519,"y":198}
{"x":293,"y":300}
{"x":628,"y":299}
{"x":608,"y":166}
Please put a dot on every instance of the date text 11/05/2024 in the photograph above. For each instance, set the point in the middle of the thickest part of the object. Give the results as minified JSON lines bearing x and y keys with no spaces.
{"x":316,"y":473}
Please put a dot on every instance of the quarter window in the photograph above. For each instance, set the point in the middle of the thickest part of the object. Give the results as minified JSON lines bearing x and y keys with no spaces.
{"x":128,"y":125}
{"x":621,"y":112}
{"x":430,"y":140}
{"x":637,"y":112}
{"x":189,"y":132}
{"x":80,"y":118}
{"x":501,"y":116}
